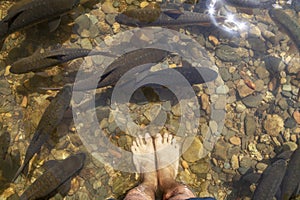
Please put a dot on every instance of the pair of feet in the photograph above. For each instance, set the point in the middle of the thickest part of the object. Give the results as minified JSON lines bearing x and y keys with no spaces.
{"x":157,"y":161}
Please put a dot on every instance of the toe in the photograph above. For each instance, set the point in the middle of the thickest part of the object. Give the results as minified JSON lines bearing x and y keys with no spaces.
{"x":165,"y":138}
{"x":133,"y":149}
{"x":170,"y":137}
{"x":148,"y":138}
{"x":158,"y":139}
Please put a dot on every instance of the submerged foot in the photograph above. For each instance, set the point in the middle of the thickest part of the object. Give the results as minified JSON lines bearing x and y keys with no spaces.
{"x":144,"y":160}
{"x":167,"y":155}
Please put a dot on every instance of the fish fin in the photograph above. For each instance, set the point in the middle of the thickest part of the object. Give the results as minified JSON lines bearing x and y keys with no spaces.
{"x":53,"y":25}
{"x":50,"y":163}
{"x":59,"y":57}
{"x":173,"y":13}
{"x":64,"y":188}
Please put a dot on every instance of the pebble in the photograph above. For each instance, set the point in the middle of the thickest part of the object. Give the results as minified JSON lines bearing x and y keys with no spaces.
{"x":227,"y":53}
{"x":252,"y":101}
{"x":290,"y":146}
{"x":287,"y":87}
{"x":200,"y":167}
{"x":223,"y":89}
{"x":235,"y":140}
{"x":220,"y":150}
{"x":194,"y":152}
{"x":290,"y":123}
{"x":234,"y":162}
{"x":261,"y":166}
{"x":273,"y":125}
{"x":108,"y":8}
{"x":243,"y":89}
{"x":262,"y":73}
{"x":240,"y":107}
{"x":296,"y":116}
{"x":225,"y":74}
{"x":259,"y":85}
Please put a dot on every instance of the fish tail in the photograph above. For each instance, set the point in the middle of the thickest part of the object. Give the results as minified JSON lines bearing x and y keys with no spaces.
{"x":19,"y":172}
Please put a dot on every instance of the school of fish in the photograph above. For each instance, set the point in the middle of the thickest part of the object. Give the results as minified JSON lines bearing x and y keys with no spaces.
{"x":281,"y":175}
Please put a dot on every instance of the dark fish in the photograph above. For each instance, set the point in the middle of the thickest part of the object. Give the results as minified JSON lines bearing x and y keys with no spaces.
{"x":56,"y":179}
{"x":123,"y":64}
{"x":39,"y":61}
{"x":49,"y":121}
{"x":262,"y":4}
{"x":4,"y":144}
{"x":291,"y":180}
{"x":290,"y":26}
{"x":270,"y":181}
{"x":138,"y":17}
{"x":30,"y":12}
{"x":194,"y":75}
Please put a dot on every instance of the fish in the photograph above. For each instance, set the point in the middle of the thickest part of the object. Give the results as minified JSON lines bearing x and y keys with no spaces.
{"x":262,"y":4}
{"x":291,"y":182}
{"x":4,"y":144}
{"x":27,"y":13}
{"x":56,"y":178}
{"x":49,"y":121}
{"x":164,"y":17}
{"x":270,"y":181}
{"x":289,"y":25}
{"x":194,"y":75}
{"x":39,"y":61}
{"x":121,"y":65}
{"x":138,"y":57}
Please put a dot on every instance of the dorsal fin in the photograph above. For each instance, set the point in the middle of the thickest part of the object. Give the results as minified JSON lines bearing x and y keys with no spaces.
{"x":173,"y":13}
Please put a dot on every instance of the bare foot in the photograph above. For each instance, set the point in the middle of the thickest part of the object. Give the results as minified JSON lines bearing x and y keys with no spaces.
{"x":144,"y":160}
{"x":167,"y":155}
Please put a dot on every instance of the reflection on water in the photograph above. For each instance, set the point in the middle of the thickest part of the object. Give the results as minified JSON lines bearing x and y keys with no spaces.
{"x":257,"y":60}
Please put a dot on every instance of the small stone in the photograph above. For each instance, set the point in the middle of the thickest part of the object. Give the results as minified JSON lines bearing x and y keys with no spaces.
{"x":254,"y":31}
{"x":220,"y":150}
{"x":290,"y":146}
{"x":283,"y":104}
{"x":287,"y":87}
{"x":262,"y":72}
{"x":296,"y":116}
{"x":290,"y":123}
{"x":259,"y":85}
{"x":243,"y":89}
{"x":108,"y":8}
{"x":226,"y":76}
{"x":24,"y":102}
{"x":252,"y":101}
{"x":193,"y":152}
{"x":234,"y":162}
{"x":223,"y":89}
{"x":7,"y":72}
{"x":144,"y":4}
{"x":200,"y":167}
{"x":213,"y":40}
{"x":227,"y":53}
{"x":261,"y":166}
{"x":240,"y":107}
{"x":273,"y":125}
{"x":184,"y":164}
{"x":235,"y":140}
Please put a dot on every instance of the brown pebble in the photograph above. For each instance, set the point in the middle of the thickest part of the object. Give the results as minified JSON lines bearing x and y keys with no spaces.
{"x":75,"y":185}
{"x":184,"y":164}
{"x":235,"y":140}
{"x":296,"y":116}
{"x":24,"y":102}
{"x":250,"y":84}
{"x":213,"y":39}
